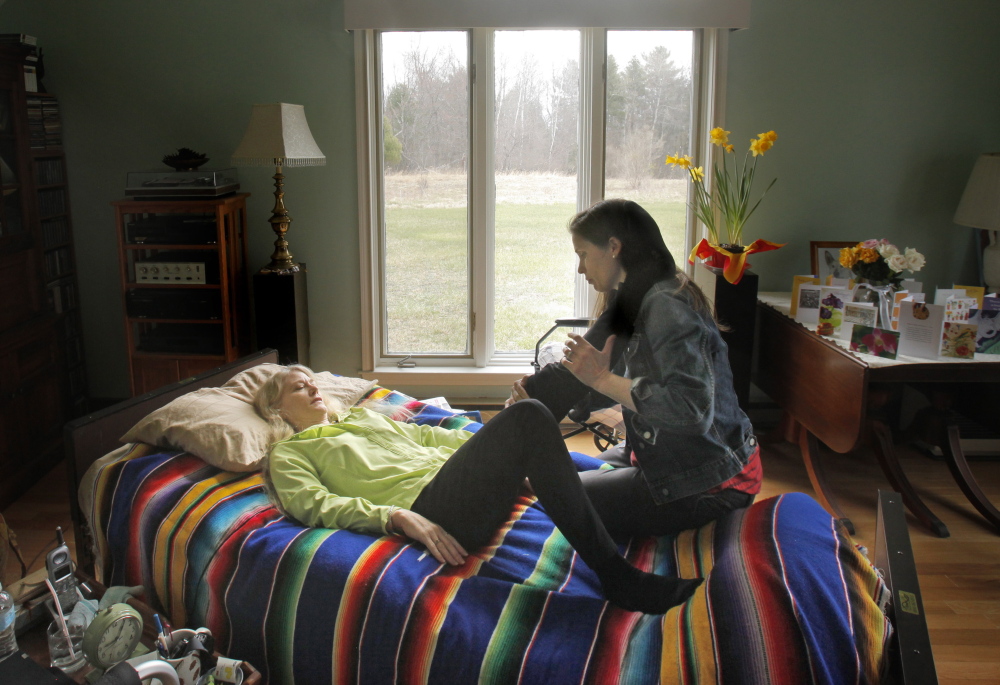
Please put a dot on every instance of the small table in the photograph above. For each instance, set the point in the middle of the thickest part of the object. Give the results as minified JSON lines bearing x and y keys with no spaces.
{"x":829,"y":394}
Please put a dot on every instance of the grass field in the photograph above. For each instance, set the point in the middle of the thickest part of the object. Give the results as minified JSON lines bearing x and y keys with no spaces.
{"x":427,"y":282}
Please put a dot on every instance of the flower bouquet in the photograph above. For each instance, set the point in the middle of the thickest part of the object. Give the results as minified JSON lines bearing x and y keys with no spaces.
{"x":727,"y":203}
{"x":880,"y":263}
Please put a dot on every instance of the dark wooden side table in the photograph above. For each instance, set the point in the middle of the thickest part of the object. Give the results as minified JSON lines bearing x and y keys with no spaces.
{"x":832,"y":395}
{"x":281,"y":314}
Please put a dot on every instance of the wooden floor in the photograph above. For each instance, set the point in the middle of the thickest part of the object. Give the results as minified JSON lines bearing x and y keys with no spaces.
{"x":959,"y":576}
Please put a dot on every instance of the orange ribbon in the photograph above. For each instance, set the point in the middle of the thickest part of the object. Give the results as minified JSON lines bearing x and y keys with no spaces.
{"x":735,"y":262}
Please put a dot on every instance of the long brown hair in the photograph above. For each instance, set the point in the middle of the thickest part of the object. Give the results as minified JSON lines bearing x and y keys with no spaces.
{"x":644,"y":256}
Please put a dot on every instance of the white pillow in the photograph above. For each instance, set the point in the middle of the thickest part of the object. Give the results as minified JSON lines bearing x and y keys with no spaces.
{"x":221,"y":426}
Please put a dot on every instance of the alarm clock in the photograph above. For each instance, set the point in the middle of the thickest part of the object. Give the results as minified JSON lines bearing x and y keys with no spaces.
{"x":112,"y":636}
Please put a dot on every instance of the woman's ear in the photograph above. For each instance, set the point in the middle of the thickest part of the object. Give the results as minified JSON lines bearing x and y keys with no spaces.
{"x":615,"y":246}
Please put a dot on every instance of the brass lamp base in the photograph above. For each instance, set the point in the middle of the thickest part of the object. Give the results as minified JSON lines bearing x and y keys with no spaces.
{"x":281,"y":258}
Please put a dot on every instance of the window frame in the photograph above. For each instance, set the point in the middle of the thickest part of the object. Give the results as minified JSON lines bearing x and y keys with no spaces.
{"x":481,"y":363}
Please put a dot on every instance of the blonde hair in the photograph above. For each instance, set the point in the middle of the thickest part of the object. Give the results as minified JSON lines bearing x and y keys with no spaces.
{"x":268,"y":399}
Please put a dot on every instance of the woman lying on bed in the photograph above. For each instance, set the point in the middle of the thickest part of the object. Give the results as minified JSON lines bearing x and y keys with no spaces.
{"x":450,"y":490}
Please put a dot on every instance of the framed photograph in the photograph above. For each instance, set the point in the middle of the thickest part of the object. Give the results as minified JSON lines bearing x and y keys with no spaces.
{"x":825,"y":259}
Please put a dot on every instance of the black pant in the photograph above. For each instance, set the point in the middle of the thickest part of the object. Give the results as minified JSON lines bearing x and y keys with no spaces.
{"x":622,"y":500}
{"x":473,"y":493}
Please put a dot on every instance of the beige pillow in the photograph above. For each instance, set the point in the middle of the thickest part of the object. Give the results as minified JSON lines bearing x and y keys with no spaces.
{"x":221,"y":426}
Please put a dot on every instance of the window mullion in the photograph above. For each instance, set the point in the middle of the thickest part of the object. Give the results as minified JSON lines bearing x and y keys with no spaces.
{"x":590,"y":186}
{"x":482,"y":195}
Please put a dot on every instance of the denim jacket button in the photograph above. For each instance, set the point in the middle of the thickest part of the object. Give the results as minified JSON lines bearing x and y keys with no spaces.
{"x":665,"y":491}
{"x":647,"y":435}
{"x":753,"y":441}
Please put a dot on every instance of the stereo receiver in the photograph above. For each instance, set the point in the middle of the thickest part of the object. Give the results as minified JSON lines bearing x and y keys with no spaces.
{"x":170,"y":272}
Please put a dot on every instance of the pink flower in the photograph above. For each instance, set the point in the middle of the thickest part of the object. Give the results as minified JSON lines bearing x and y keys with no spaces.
{"x":870,"y":244}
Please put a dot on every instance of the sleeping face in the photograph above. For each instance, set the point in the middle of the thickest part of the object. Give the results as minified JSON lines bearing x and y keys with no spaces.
{"x":301,"y":403}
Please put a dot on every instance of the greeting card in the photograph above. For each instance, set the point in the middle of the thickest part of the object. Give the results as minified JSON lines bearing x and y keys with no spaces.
{"x":988,"y":330}
{"x":958,"y":308}
{"x":857,"y":314}
{"x":942,"y":295}
{"x":808,"y":304}
{"x":912,"y":285}
{"x":991,"y":303}
{"x":798,"y":282}
{"x":831,"y":309}
{"x":958,"y":340}
{"x":974,"y":291}
{"x":920,"y":328}
{"x":876,"y":341}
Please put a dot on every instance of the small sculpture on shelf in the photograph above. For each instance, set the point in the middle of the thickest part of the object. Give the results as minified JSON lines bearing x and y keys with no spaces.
{"x":185,"y":159}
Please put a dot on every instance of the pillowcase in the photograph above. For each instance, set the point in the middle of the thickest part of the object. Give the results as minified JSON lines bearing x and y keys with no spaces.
{"x":220,"y":425}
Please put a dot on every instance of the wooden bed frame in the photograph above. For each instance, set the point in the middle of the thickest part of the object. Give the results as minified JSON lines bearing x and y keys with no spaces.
{"x":91,"y":437}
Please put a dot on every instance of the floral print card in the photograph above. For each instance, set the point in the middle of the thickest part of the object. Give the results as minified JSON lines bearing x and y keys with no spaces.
{"x":831,"y":309}
{"x":974,"y":291}
{"x":958,"y":308}
{"x":958,"y":340}
{"x":876,"y":341}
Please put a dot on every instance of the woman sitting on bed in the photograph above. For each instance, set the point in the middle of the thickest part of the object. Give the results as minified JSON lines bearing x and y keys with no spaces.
{"x":690,"y":455}
{"x":450,"y":490}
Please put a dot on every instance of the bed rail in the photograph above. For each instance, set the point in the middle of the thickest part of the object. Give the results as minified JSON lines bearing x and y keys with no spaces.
{"x":912,"y":660}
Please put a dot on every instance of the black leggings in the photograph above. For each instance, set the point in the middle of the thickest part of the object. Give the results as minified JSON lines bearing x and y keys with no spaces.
{"x":473,"y":493}
{"x":623,"y":501}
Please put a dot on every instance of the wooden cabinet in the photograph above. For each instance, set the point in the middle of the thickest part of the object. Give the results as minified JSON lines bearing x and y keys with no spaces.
{"x":184,"y":286}
{"x":42,"y":380}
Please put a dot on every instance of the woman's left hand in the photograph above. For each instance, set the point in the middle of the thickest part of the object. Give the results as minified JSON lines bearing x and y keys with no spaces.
{"x":585,"y":361}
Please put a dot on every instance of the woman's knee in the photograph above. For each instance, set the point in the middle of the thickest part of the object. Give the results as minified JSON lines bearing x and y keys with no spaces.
{"x":530,"y":413}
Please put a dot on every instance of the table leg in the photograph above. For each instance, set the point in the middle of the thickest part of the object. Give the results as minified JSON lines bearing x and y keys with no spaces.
{"x":952,"y":449}
{"x":809,"y":446}
{"x":885,"y":450}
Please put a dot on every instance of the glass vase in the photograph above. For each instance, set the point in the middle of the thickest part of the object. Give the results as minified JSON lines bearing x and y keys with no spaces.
{"x":879,"y":294}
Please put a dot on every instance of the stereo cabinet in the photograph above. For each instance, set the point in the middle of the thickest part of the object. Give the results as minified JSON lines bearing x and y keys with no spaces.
{"x":185,"y":287}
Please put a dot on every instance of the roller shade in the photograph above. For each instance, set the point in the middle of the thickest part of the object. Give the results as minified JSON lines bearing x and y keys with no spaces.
{"x":613,"y":14}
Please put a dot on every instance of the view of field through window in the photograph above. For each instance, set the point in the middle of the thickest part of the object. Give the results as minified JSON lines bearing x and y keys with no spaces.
{"x":537,"y":107}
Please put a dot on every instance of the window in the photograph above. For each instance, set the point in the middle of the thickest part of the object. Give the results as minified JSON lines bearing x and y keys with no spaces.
{"x":478,"y":146}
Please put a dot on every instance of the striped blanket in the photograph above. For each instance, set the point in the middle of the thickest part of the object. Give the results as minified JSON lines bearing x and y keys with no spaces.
{"x":787,"y":597}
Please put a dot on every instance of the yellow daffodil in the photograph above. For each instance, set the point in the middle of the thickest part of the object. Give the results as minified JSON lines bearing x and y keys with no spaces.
{"x":719,"y":136}
{"x":728,"y":202}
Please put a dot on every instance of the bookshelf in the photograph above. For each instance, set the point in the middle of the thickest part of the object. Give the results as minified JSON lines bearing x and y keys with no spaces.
{"x":42,"y":370}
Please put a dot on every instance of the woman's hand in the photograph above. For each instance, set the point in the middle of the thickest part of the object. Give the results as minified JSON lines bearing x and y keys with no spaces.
{"x":517,"y":391}
{"x":436,"y":539}
{"x":589,"y":364}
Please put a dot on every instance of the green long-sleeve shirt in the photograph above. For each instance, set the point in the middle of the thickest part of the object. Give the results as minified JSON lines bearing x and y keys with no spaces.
{"x":352,"y":474}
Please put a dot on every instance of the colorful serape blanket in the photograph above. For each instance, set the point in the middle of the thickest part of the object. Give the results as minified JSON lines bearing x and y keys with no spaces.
{"x":787,"y":597}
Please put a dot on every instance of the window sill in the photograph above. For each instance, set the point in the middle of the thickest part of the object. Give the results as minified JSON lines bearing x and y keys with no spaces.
{"x":499,"y":376}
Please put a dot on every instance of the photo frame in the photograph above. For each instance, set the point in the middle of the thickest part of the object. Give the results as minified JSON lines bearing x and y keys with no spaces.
{"x":824,"y":258}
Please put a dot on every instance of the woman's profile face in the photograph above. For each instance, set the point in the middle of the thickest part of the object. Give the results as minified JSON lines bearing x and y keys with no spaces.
{"x":301,"y":403}
{"x":599,"y":265}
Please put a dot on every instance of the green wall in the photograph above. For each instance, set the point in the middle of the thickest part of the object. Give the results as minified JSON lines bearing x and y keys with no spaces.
{"x":881,"y":108}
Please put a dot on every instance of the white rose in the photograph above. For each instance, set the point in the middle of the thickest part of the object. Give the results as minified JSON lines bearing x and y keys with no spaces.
{"x":914,"y":260}
{"x":897,"y":262}
{"x":888,"y":250}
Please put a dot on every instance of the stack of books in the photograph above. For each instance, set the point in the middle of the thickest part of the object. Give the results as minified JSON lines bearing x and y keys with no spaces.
{"x":30,"y":45}
{"x":44,"y":125}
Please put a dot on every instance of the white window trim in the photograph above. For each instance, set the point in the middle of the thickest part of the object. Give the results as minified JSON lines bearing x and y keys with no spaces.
{"x":709,"y":108}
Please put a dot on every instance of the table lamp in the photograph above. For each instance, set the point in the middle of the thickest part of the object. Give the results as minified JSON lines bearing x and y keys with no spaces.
{"x":980,"y":208}
{"x":278,"y":135}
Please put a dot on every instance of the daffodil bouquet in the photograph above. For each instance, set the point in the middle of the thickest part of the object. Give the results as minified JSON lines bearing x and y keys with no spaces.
{"x":730,"y":194}
{"x":728,"y":200}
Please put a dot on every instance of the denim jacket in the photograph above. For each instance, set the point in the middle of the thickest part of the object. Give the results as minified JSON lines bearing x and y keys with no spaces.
{"x":688,"y":431}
